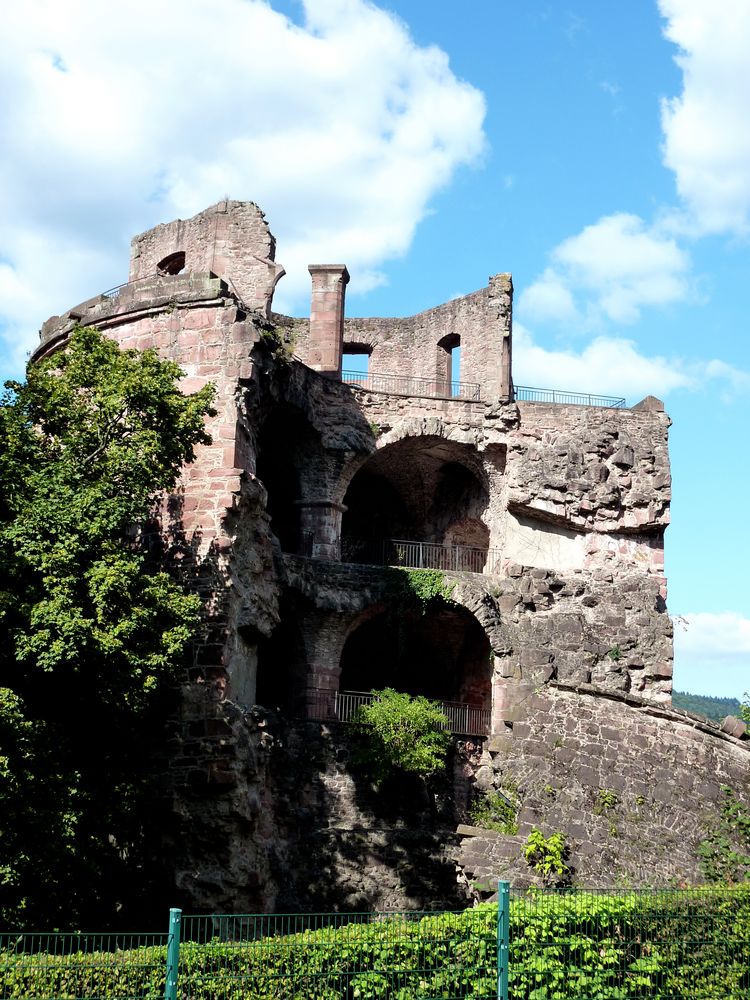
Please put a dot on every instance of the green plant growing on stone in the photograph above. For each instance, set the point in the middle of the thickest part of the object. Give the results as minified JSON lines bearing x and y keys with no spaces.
{"x":606,"y":800}
{"x":725,"y":853}
{"x":282,"y":347}
{"x":615,"y":653}
{"x":400,"y":733}
{"x":495,"y":811}
{"x":420,"y":586}
{"x":547,"y":856}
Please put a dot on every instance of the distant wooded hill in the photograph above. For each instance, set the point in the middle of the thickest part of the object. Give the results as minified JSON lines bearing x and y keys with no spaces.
{"x":715,"y":708}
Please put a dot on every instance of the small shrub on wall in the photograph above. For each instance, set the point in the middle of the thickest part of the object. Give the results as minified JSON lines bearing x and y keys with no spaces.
{"x":398,"y":732}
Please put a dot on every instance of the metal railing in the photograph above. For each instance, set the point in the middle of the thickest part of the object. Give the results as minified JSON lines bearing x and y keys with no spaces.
{"x":449,"y":558}
{"x":463,"y":719}
{"x":642,"y":944}
{"x":83,"y":966}
{"x":528,"y":394}
{"x":114,"y":293}
{"x":411,"y":385}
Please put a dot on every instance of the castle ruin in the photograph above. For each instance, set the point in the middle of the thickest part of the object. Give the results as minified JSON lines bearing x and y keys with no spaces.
{"x":543,"y":511}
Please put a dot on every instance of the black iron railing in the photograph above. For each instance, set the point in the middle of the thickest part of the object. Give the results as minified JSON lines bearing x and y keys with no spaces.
{"x":527,"y":394}
{"x":422,"y":555}
{"x":430,"y":555}
{"x":342,"y":706}
{"x":410,"y":385}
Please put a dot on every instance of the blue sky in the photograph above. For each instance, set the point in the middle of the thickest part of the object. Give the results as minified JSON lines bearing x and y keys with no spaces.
{"x":598,"y":151}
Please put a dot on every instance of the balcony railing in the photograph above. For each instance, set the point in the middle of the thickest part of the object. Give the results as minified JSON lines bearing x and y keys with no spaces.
{"x":463,"y":720}
{"x":527,"y":394}
{"x":410,"y":385}
{"x":423,"y":555}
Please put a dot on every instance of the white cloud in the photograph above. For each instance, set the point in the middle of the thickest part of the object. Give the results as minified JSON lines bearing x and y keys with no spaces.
{"x":342,"y":130}
{"x":712,"y":653}
{"x":614,"y":366}
{"x":611,"y":366}
{"x":707,"y":128}
{"x":608,"y":272}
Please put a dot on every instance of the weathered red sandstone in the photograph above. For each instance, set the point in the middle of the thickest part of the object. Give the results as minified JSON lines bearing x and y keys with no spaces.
{"x":548,"y":520}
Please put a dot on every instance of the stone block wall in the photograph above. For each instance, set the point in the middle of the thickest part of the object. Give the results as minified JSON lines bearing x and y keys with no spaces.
{"x":230,"y":239}
{"x":411,"y":346}
{"x":634,"y":788}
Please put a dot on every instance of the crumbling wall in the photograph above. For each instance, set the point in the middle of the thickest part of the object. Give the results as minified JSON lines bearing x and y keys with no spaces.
{"x":230,"y":239}
{"x":634,"y":788}
{"x":411,"y":347}
{"x":571,"y":503}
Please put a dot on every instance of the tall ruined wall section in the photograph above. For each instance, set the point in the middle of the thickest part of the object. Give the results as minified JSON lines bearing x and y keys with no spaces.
{"x":561,"y":624}
{"x":230,"y":239}
{"x":418,"y":346}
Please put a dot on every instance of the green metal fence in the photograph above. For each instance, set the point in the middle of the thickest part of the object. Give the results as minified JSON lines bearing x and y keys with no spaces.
{"x":685,"y":944}
{"x":82,"y":966}
{"x":326,"y":957}
{"x":536,"y":945}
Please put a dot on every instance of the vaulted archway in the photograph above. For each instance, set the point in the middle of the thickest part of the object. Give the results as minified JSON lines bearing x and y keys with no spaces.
{"x":421,"y":489}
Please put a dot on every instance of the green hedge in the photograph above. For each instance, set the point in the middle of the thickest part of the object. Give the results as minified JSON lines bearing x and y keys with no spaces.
{"x":669,"y":944}
{"x":135,"y":974}
{"x":693,"y":944}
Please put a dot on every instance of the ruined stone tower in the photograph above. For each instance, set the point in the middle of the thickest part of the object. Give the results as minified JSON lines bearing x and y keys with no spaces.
{"x":545,"y":512}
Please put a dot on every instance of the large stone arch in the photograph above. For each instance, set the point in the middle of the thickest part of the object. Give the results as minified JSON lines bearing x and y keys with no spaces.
{"x":427,"y":488}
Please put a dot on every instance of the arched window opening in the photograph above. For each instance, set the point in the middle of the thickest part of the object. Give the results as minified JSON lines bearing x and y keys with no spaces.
{"x":443,"y":654}
{"x":172,"y":264}
{"x":449,"y":364}
{"x":355,"y":362}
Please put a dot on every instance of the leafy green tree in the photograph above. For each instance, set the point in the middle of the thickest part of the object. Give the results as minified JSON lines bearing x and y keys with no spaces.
{"x":745,"y":708}
{"x":398,"y":732}
{"x":92,"y":627}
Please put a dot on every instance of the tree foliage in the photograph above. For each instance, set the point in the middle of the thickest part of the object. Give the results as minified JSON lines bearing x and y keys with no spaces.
{"x":398,"y":732}
{"x":712,"y":707}
{"x":91,"y":626}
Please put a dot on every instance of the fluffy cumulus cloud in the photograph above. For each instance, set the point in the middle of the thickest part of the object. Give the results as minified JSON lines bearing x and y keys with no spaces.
{"x":712,"y":653}
{"x":707,"y":128}
{"x":607,"y":365}
{"x":341,"y":128}
{"x":616,"y":366}
{"x":609,"y":271}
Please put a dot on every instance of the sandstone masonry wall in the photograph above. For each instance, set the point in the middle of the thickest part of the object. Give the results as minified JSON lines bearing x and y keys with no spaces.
{"x":230,"y":239}
{"x":567,"y":507}
{"x":663,"y":769}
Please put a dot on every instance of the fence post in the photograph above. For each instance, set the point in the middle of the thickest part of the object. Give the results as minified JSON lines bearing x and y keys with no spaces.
{"x":173,"y":954}
{"x":503,"y":922}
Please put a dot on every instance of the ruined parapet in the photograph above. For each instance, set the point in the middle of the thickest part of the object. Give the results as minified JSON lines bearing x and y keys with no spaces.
{"x":127,"y":304}
{"x":421,"y":347}
{"x":230,"y":239}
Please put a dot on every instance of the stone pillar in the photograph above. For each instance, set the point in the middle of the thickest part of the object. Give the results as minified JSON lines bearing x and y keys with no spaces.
{"x":324,"y":634}
{"x":326,"y":342}
{"x":320,"y":524}
{"x":499,"y":374}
